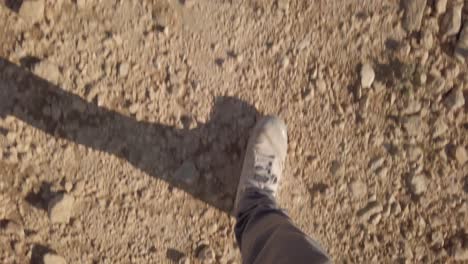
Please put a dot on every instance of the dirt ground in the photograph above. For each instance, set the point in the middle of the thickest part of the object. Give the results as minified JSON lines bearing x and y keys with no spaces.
{"x":123,"y":125}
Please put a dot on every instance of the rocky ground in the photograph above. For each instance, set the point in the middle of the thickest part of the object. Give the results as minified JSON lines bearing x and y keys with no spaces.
{"x":123,"y":125}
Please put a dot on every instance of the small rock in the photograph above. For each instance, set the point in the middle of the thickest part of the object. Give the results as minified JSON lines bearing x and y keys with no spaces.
{"x":51,"y":258}
{"x":124,"y":69}
{"x":414,"y":11}
{"x":440,"y":6}
{"x":451,"y":23}
{"x":68,"y":186}
{"x":413,"y":125}
{"x":321,"y":86}
{"x":184,"y":260}
{"x":371,"y":209}
{"x":189,"y":3}
{"x":367,"y":75}
{"x":206,"y":254}
{"x":32,"y":11}
{"x":461,"y":50}
{"x":412,"y":108}
{"x":187,"y":173}
{"x":283,"y":5}
{"x":376,"y":163}
{"x":358,"y":189}
{"x":461,"y":155}
{"x":437,"y":85}
{"x":11,"y":228}
{"x":337,"y":169}
{"x":440,"y":127}
{"x":48,"y":71}
{"x":419,"y":184}
{"x":60,"y":208}
{"x":454,"y":100}
{"x":460,"y":254}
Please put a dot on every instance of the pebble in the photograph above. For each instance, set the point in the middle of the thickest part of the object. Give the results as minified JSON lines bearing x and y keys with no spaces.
{"x":82,"y":4}
{"x":337,"y":169}
{"x":371,"y":209}
{"x":124,"y":69}
{"x":461,"y":50}
{"x":189,"y":3}
{"x":461,"y":254}
{"x":206,"y":254}
{"x":376,"y":163}
{"x":440,"y":6}
{"x":419,"y":184}
{"x":321,"y":86}
{"x":48,"y":71}
{"x":367,"y":75}
{"x":461,"y":155}
{"x":413,"y":125}
{"x":60,"y":208}
{"x":51,"y":258}
{"x":413,"y":107}
{"x":13,"y":228}
{"x":358,"y":189}
{"x":414,"y":11}
{"x":32,"y":11}
{"x":440,"y":127}
{"x":451,"y":23}
{"x":187,"y":173}
{"x":283,"y":5}
{"x":454,"y":100}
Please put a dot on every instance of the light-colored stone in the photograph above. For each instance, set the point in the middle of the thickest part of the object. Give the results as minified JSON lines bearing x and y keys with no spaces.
{"x":371,"y":209}
{"x":419,"y":184}
{"x":414,"y":12}
{"x":47,"y":71}
{"x":461,"y":155}
{"x":454,"y":100}
{"x":124,"y":69}
{"x":32,"y":11}
{"x":51,"y":258}
{"x":206,"y":254}
{"x":358,"y":189}
{"x":451,"y":23}
{"x":461,"y":50}
{"x":321,"y":86}
{"x":283,"y":4}
{"x":60,"y":208}
{"x":414,"y":125}
{"x":440,"y":6}
{"x":367,"y":75}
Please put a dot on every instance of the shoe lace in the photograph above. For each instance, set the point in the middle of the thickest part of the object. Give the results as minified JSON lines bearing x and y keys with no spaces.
{"x":263,"y":170}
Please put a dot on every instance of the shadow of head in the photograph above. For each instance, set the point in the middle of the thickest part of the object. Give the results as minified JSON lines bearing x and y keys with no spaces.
{"x":204,"y":161}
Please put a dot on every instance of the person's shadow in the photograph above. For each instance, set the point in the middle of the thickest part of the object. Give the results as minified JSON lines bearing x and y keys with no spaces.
{"x":204,"y":162}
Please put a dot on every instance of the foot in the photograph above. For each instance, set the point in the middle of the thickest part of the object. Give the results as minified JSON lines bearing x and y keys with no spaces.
{"x":264,"y":158}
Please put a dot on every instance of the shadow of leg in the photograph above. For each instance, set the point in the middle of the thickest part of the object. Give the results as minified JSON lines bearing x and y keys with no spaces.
{"x":210,"y":155}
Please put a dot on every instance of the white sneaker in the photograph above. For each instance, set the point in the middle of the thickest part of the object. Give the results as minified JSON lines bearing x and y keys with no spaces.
{"x":264,"y":158}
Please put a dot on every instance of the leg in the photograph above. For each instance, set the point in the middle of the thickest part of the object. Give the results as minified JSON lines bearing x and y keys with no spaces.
{"x":265,"y":234}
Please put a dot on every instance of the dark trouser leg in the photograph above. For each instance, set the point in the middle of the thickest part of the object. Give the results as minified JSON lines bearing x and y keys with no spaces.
{"x":265,"y":234}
